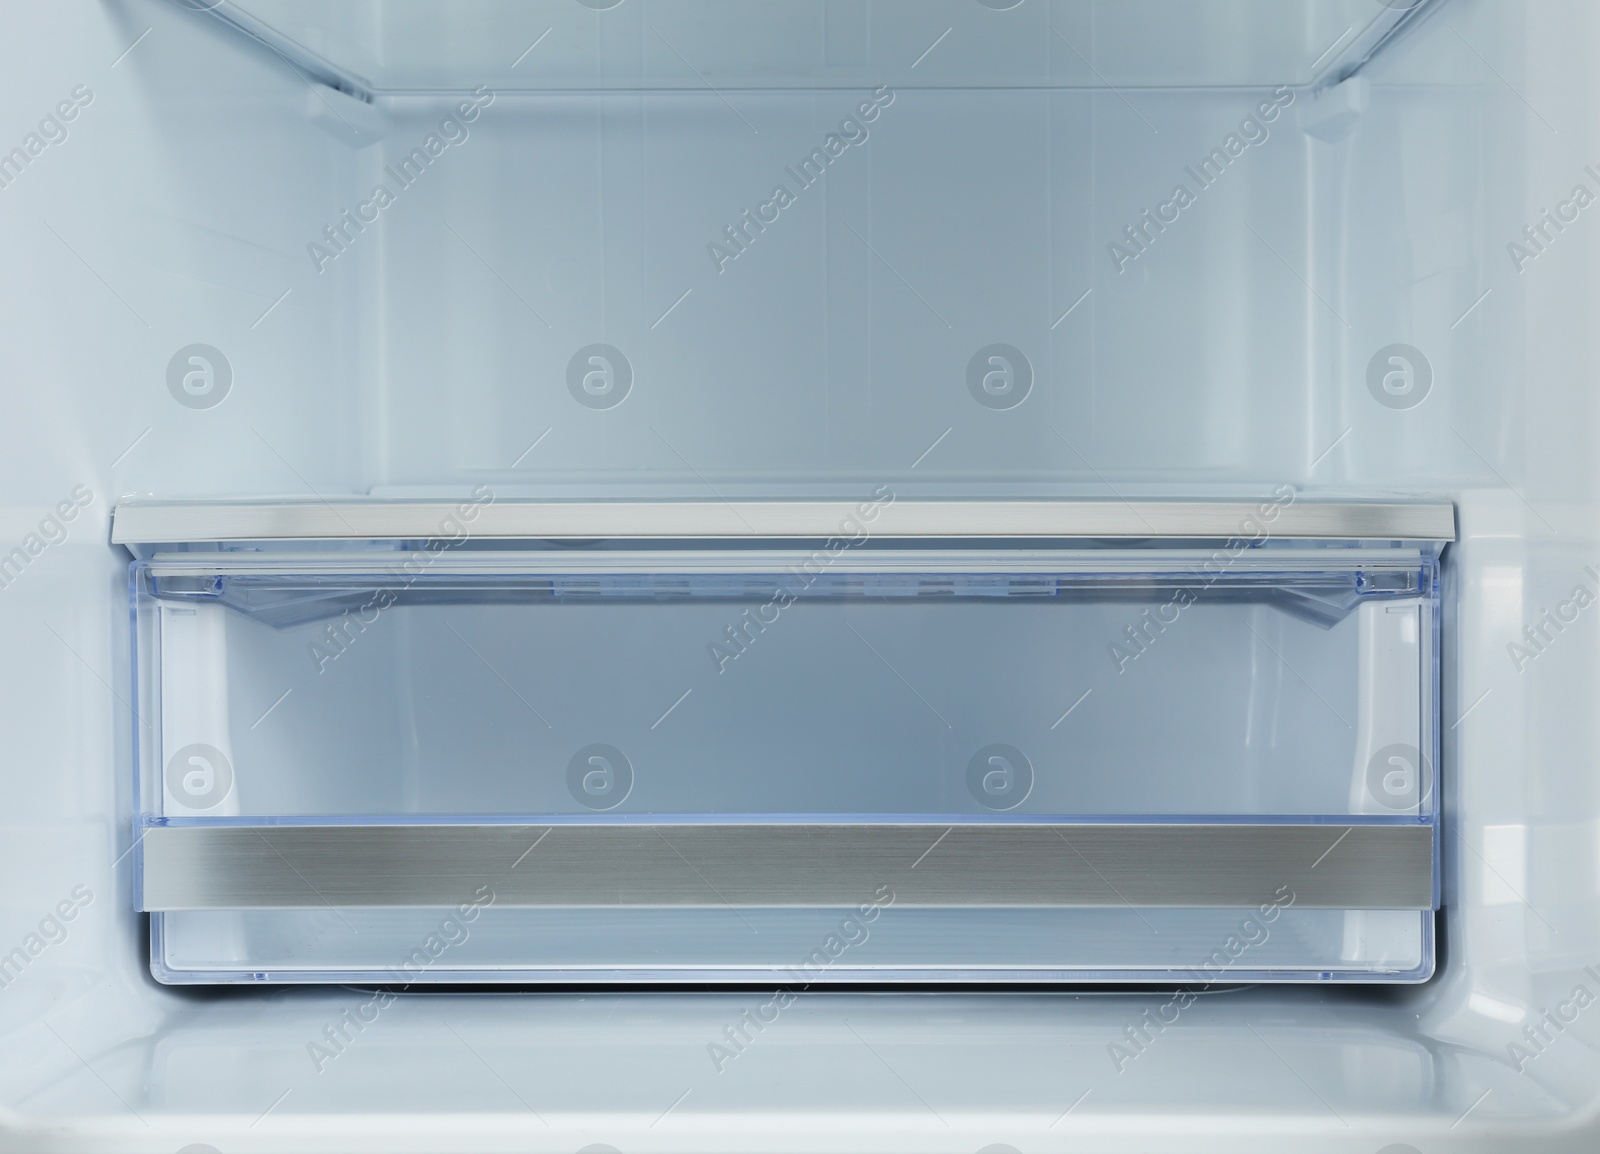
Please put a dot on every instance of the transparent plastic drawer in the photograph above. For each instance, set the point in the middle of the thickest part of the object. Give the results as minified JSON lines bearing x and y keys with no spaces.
{"x":649,"y":761}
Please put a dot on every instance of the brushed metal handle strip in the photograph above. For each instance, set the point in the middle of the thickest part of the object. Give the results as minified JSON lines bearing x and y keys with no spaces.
{"x":775,"y":864}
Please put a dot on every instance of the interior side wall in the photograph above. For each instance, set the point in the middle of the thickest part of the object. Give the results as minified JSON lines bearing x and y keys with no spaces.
{"x":1507,"y":428}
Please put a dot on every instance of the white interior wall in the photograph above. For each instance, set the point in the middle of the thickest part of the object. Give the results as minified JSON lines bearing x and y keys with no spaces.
{"x":835,"y":350}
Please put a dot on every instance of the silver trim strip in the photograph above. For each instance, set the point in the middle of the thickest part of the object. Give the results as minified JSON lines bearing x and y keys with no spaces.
{"x":136,"y":523}
{"x":992,"y":864}
{"x":512,"y":564}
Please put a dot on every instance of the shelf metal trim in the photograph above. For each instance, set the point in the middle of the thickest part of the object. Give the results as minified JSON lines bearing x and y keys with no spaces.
{"x":145,"y":523}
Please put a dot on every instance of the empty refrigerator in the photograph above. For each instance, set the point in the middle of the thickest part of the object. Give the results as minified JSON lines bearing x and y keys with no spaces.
{"x":1135,"y":455}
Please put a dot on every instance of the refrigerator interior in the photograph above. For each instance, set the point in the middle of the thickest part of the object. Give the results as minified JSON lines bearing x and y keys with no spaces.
{"x":576,"y":170}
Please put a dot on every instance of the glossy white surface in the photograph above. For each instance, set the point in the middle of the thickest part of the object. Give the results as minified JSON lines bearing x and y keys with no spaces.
{"x":1234,"y":352}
